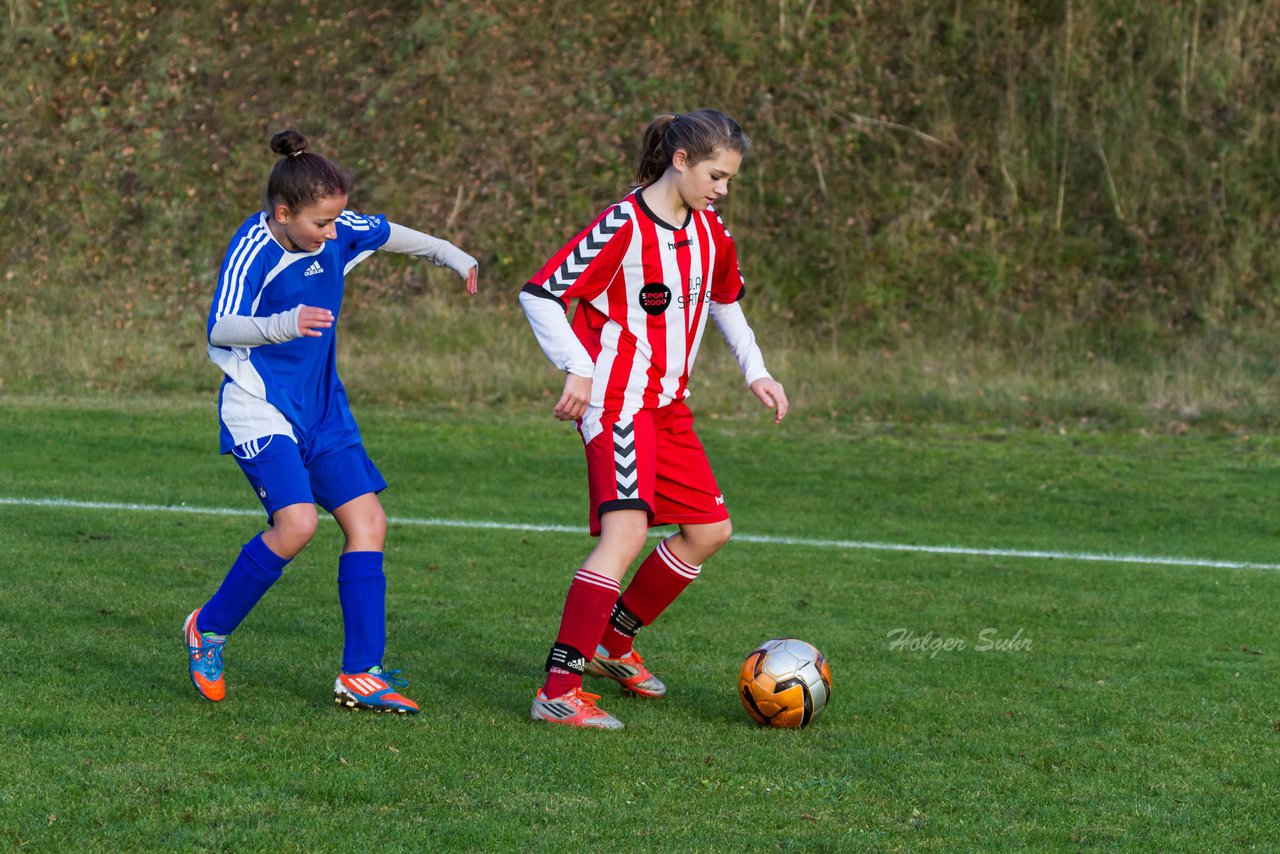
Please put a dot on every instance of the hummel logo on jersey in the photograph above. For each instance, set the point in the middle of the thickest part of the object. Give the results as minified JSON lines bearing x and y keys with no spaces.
{"x":314,"y":269}
{"x":679,"y":243}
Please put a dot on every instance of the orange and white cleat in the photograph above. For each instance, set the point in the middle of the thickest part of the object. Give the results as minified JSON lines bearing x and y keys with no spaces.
{"x":204,"y":659}
{"x":575,"y":708}
{"x":374,"y":690}
{"x":628,"y":671}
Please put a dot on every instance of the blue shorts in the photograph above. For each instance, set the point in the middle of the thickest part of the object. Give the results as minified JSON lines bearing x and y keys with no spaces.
{"x":275,"y":470}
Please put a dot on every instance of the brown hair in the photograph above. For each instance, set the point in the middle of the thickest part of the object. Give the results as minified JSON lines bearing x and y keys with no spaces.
{"x":300,"y":178}
{"x":699,"y":133}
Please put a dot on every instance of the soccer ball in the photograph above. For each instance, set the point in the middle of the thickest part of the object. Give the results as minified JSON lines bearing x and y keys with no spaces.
{"x":784,"y":683}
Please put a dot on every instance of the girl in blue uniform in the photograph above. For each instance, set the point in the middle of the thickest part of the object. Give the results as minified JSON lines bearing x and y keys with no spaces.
{"x":285,"y":417}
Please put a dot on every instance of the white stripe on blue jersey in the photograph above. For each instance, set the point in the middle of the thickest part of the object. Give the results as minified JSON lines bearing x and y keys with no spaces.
{"x":232,"y":284}
{"x":356,"y":260}
{"x":354,"y":221}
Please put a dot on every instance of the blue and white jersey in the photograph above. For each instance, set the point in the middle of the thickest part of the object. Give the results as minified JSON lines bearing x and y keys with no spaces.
{"x":292,"y":388}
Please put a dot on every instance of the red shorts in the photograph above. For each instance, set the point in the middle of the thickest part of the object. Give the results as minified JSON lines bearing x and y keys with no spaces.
{"x":654,"y":462}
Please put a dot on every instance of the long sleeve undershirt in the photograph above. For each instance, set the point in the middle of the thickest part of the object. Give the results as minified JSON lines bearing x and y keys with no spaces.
{"x":555,"y":335}
{"x":238,"y":330}
{"x":741,"y":339}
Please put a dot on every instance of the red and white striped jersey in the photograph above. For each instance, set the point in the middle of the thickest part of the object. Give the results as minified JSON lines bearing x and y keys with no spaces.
{"x":643,"y":288}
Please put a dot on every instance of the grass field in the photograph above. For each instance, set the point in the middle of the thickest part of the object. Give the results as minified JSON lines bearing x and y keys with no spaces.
{"x":1131,"y":707}
{"x":1015,"y":263}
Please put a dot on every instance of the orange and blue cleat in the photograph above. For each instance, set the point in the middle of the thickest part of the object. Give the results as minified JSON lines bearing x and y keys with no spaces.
{"x":628,"y":671}
{"x":204,"y":659}
{"x":373,"y":690}
{"x":575,"y":708}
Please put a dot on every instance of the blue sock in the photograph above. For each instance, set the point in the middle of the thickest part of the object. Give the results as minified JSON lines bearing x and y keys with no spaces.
{"x":362,"y":591}
{"x":255,"y":570}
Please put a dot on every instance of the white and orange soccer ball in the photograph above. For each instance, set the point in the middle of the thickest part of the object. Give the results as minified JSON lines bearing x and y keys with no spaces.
{"x":784,"y":682}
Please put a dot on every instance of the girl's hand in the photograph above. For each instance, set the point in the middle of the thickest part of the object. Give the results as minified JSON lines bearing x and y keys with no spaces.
{"x":772,"y":395}
{"x":473,"y":279}
{"x":311,"y":320}
{"x":573,"y":403}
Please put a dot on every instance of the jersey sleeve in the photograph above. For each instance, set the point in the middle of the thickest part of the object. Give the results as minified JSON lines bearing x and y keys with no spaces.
{"x":741,"y":339}
{"x":359,"y":236}
{"x":241,"y":276}
{"x":727,"y":284}
{"x":555,"y":335}
{"x":586,"y":264}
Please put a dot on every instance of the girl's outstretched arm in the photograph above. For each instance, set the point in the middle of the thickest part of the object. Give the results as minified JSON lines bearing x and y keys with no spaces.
{"x":442,"y":253}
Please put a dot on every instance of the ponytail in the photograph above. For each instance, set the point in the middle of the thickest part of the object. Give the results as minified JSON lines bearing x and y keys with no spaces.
{"x":698,"y":133}
{"x":653,"y":158}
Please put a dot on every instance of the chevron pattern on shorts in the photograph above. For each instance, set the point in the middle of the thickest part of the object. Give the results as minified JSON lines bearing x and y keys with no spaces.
{"x":624,"y":459}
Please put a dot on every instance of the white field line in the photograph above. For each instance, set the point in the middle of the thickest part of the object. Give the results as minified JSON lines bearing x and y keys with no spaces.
{"x":809,"y":542}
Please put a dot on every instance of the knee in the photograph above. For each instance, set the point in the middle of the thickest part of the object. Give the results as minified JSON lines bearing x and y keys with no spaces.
{"x":719,"y":534}
{"x":623,"y":534}
{"x":367,"y":531}
{"x":632,"y":542}
{"x":292,"y":529}
{"x":706,"y":540}
{"x":304,"y":525}
{"x":626,"y":543}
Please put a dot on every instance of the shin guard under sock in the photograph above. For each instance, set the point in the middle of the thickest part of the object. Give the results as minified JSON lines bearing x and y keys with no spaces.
{"x":659,"y":580}
{"x":586,"y":609}
{"x":362,"y":592}
{"x":255,"y":569}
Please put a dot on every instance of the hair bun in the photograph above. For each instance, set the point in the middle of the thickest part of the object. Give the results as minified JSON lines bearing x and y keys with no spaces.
{"x":288,"y":143}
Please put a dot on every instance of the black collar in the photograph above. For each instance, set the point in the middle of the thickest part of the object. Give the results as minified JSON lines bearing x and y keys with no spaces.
{"x":649,"y":213}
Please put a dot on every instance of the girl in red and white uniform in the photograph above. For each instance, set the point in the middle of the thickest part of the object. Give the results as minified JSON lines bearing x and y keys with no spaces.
{"x":647,"y":273}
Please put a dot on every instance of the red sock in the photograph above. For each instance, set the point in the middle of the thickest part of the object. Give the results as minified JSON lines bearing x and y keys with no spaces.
{"x":586,"y":610}
{"x":659,"y":580}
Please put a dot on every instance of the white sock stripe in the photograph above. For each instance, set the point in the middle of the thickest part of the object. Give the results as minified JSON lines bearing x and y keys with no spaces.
{"x":588,"y":577}
{"x":675,"y":564}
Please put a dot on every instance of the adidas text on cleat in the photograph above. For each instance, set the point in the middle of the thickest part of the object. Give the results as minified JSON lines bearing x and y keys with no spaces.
{"x":375,"y":690}
{"x":576,"y":708}
{"x":204,"y":659}
{"x":629,"y":672}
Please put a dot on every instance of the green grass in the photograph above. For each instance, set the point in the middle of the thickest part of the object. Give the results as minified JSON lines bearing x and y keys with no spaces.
{"x":1142,"y":717}
{"x":1014,"y":263}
